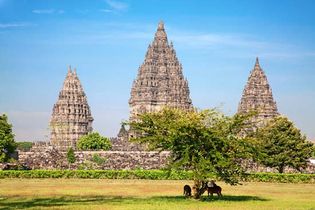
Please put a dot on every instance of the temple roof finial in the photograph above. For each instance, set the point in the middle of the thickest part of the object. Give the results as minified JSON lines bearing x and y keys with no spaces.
{"x":161,"y":25}
{"x":257,"y":61}
{"x":69,"y":69}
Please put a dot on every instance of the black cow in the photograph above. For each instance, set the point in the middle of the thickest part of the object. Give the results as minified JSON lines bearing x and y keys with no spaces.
{"x":213,"y":188}
{"x":187,"y":190}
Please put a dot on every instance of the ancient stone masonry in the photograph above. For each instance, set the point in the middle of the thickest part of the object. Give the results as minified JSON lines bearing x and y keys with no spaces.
{"x":50,"y":158}
{"x":71,"y":117}
{"x":257,"y":96}
{"x":122,"y":143}
{"x":160,"y":81}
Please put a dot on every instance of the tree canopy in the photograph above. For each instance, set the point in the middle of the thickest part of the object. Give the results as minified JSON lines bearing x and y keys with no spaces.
{"x":205,"y":142}
{"x":94,"y":141}
{"x":281,"y":145}
{"x":7,"y":143}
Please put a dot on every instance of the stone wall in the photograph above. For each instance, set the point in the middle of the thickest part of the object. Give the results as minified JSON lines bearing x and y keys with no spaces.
{"x":123,"y":144}
{"x":44,"y":156}
{"x":47,"y":157}
{"x":54,"y":159}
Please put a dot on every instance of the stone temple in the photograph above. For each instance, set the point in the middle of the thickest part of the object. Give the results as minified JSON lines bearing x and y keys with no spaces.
{"x":257,"y":95}
{"x":160,"y":81}
{"x":71,"y":117}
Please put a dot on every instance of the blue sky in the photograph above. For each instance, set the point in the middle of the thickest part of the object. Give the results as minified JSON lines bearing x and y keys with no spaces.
{"x":106,"y":40}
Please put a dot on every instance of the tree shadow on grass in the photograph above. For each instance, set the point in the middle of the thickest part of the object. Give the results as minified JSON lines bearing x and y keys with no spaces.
{"x":234,"y":198}
{"x":231,"y":198}
{"x":24,"y":203}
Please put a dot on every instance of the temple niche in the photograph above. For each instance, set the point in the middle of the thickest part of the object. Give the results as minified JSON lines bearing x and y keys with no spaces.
{"x":71,"y":117}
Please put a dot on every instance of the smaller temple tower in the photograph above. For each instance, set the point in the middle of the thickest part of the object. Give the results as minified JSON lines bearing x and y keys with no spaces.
{"x":71,"y":117}
{"x":257,"y":96}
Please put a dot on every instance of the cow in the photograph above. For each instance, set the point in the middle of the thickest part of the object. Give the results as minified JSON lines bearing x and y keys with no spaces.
{"x":213,"y":188}
{"x":187,"y":191}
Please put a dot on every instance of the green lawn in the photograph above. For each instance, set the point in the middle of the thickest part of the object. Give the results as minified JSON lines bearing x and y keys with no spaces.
{"x":147,"y":194}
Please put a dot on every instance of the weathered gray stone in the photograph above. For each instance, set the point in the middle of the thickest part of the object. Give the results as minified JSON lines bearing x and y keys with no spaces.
{"x":160,"y":81}
{"x":56,"y":159}
{"x":71,"y":117}
{"x":257,"y":96}
{"x":50,"y":158}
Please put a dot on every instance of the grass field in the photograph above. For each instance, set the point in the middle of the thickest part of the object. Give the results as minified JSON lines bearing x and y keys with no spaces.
{"x":147,"y":194}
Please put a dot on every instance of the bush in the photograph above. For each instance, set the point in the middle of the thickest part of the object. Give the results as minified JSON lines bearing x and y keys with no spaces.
{"x":24,"y":146}
{"x":150,"y":174}
{"x":94,"y":141}
{"x":98,"y":159}
{"x":282,"y":178}
{"x":70,"y":155}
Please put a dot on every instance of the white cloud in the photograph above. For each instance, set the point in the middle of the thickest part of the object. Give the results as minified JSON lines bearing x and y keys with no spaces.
{"x":43,"y":11}
{"x":117,"y":5}
{"x":239,"y":45}
{"x":83,"y":11}
{"x":289,"y":54}
{"x":212,"y":39}
{"x":11,"y":25}
{"x":47,"y":11}
{"x":14,"y":25}
{"x":106,"y":10}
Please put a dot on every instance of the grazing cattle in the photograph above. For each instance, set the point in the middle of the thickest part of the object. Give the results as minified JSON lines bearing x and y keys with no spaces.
{"x":213,"y":188}
{"x":187,"y":190}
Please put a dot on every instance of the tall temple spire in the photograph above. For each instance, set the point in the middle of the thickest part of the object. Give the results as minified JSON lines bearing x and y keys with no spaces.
{"x":160,"y":81}
{"x":257,"y":96}
{"x":71,"y":117}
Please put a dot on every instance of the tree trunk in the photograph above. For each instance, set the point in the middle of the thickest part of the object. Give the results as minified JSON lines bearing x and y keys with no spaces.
{"x":281,"y":169}
{"x":199,"y":188}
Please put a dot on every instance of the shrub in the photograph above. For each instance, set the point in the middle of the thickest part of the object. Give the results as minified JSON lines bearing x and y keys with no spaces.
{"x":94,"y":141}
{"x":282,"y":178}
{"x":98,"y":159}
{"x":150,"y":174}
{"x":24,"y":146}
{"x":70,"y":156}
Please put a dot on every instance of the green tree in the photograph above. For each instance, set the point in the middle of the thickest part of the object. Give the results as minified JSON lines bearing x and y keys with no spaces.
{"x":281,"y":144}
{"x":7,"y":143}
{"x":94,"y":141}
{"x":24,"y":145}
{"x":205,"y":142}
{"x":70,"y":156}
